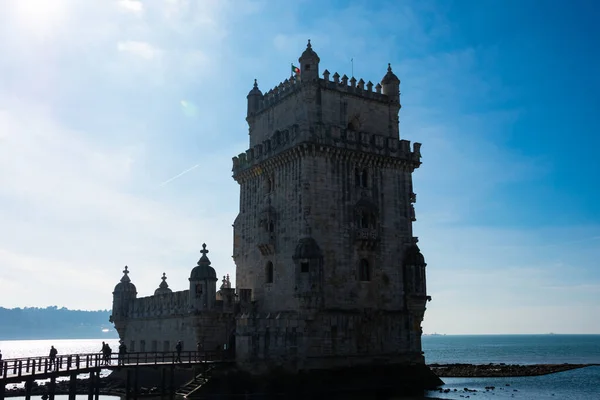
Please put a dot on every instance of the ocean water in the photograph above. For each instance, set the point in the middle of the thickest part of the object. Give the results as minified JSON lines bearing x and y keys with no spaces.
{"x":577,"y":384}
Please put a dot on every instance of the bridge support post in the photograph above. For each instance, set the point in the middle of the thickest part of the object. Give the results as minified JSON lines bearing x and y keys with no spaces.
{"x":28,"y":386}
{"x":52,"y":387}
{"x":163,"y":382}
{"x":91,"y":386}
{"x":2,"y":389}
{"x":72,"y":386}
{"x":128,"y":385}
{"x":135,"y":383}
{"x":172,"y":383}
{"x":97,"y":385}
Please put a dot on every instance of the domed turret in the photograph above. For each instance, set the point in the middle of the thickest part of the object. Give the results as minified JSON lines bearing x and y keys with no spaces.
{"x":125,"y":286}
{"x":254,"y":97}
{"x":414,"y":271}
{"x":163,"y":288}
{"x":203,"y":284}
{"x":123,"y":295}
{"x":390,"y":84}
{"x":203,"y":270}
{"x":309,"y":64}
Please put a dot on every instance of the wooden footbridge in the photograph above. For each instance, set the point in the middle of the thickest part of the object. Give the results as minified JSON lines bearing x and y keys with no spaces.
{"x":28,"y":370}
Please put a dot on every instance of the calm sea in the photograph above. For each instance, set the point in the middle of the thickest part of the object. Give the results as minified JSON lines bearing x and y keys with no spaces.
{"x":579,"y":384}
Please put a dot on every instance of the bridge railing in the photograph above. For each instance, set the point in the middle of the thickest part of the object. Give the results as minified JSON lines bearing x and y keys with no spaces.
{"x":32,"y":366}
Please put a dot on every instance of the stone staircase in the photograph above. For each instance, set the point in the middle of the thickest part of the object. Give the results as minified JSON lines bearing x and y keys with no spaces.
{"x":192,"y":388}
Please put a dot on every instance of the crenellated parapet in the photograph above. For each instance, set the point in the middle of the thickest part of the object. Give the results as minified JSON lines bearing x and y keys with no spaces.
{"x":336,"y":139}
{"x":278,"y":93}
{"x":174,"y":303}
{"x":351,"y":86}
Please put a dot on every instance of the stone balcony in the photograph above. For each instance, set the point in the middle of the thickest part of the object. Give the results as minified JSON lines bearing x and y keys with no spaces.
{"x":266,"y":243}
{"x":367,"y":238}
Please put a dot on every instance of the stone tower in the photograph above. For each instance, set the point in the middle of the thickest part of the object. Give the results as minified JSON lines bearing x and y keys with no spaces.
{"x":203,"y":284}
{"x":328,"y":270}
{"x":124,"y":295}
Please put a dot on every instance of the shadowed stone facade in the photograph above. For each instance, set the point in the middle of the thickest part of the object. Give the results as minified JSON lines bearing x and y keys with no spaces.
{"x":328,"y":271}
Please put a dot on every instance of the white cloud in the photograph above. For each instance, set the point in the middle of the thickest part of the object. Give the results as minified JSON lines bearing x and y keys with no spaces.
{"x":141,"y":49}
{"x":131,"y":5}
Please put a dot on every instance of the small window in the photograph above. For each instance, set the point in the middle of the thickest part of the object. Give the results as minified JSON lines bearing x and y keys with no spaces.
{"x":269,"y":272}
{"x":154,"y":345}
{"x":142,"y":346}
{"x":271,"y":226}
{"x":269,"y":185}
{"x":304,"y":267}
{"x":364,"y":177}
{"x":364,"y":221}
{"x":356,"y":177}
{"x":132,"y":346}
{"x":364,"y":271}
{"x":198,"y":289}
{"x":307,"y":67}
{"x":166,"y":345}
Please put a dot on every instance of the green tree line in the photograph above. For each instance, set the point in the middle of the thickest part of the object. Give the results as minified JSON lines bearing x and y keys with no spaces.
{"x":54,"y":323}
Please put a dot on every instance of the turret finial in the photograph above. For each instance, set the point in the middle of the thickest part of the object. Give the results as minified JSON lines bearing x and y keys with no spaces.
{"x":255,"y":83}
{"x":309,"y":45}
{"x":125,"y":277}
{"x":164,"y":277}
{"x":389,"y":67}
{"x":204,"y":251}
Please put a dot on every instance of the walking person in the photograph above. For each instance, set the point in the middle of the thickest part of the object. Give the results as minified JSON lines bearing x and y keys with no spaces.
{"x":122,"y":352}
{"x":103,"y":351}
{"x":178,"y":348}
{"x":108,"y":354}
{"x":53,"y":360}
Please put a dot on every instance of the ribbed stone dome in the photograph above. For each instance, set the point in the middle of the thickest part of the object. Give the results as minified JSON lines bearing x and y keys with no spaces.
{"x":390,"y":77}
{"x":203,"y":271}
{"x":125,"y":286}
{"x":163,"y":288}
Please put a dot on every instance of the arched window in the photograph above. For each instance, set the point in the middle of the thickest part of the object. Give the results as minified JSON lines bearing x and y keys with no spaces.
{"x":365,"y":220}
{"x":269,"y":185}
{"x":364,"y":271}
{"x":356,"y":176}
{"x":364,"y":176}
{"x":271,"y":226}
{"x":269,"y":272}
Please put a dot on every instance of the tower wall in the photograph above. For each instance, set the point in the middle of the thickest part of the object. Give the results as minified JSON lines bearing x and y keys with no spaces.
{"x":326,"y":197}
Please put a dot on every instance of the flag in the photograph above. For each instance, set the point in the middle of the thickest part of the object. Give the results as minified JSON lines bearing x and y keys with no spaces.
{"x":295,"y":70}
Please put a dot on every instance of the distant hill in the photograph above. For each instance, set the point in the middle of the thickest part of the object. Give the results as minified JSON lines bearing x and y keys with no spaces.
{"x":54,"y":323}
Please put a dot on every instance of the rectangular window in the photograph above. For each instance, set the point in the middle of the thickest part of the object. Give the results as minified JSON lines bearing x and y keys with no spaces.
{"x":304,"y":267}
{"x":154,"y":345}
{"x":142,"y":346}
{"x":166,"y":346}
{"x":132,"y":346}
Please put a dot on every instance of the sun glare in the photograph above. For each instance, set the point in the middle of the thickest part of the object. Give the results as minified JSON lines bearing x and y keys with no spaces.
{"x":39,"y":17}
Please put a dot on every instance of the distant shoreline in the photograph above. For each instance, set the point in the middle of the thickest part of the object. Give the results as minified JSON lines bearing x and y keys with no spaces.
{"x":500,"y":370}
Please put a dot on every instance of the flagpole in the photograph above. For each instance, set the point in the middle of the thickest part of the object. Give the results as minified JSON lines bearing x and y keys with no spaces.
{"x":352,"y":62}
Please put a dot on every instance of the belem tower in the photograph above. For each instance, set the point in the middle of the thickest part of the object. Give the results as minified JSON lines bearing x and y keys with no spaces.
{"x":328,"y":272}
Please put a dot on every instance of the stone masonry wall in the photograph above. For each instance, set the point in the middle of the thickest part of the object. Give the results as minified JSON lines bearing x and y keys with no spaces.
{"x":162,"y":334}
{"x":327,"y":340}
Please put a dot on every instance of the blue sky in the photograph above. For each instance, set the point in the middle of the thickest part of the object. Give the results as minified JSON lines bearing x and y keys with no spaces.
{"x":102,"y":102}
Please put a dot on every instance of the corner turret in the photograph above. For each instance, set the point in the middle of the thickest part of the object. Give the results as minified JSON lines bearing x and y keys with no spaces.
{"x":203,"y":284}
{"x":390,"y":85}
{"x":254,"y":97}
{"x":124,"y":294}
{"x":309,"y":64}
